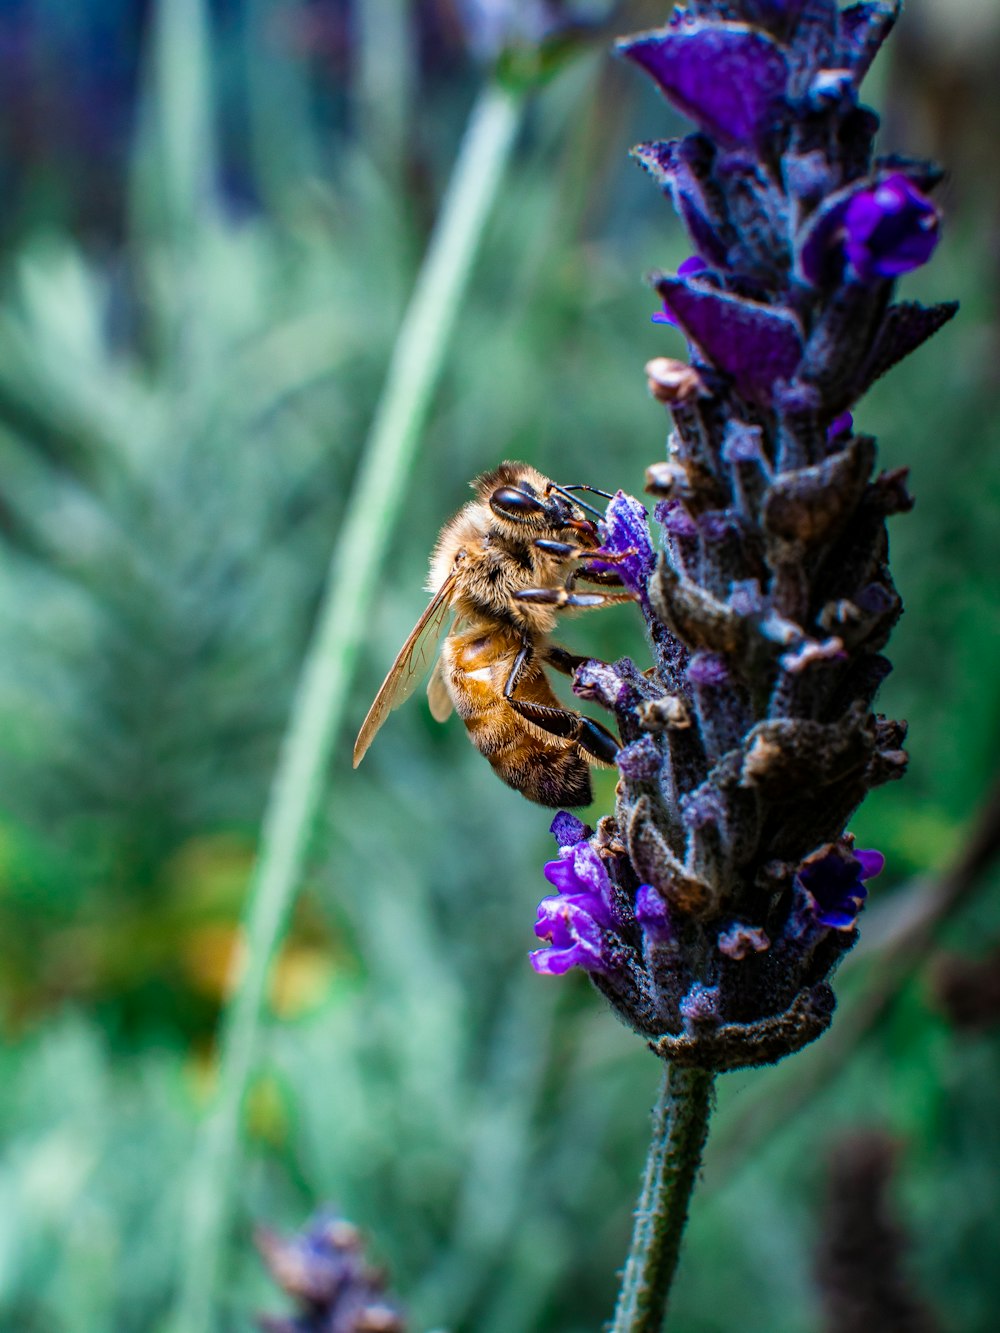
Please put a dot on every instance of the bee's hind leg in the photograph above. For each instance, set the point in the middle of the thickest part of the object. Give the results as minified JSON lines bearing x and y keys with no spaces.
{"x":591,"y":737}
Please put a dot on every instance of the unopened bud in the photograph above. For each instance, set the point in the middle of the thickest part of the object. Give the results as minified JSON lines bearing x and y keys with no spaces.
{"x":673,"y":381}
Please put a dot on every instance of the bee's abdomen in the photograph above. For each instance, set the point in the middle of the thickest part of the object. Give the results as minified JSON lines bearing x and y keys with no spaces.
{"x":550,"y":770}
{"x":545,"y":774}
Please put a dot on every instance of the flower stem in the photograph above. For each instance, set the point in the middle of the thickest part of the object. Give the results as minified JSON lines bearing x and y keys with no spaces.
{"x":318,"y":708}
{"x":680,"y":1127}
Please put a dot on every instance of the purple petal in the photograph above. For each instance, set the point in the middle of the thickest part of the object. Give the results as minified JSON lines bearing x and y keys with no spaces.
{"x":625,"y":528}
{"x":727,"y":77}
{"x":653,"y":914}
{"x":561,"y":875}
{"x":755,"y":344}
{"x":554,"y":962}
{"x":576,"y":938}
{"x":890,"y":230}
{"x":872,"y":863}
{"x":842,"y":425}
{"x":568,"y":830}
{"x":837,"y":920}
{"x":579,"y":874}
{"x":693,"y":264}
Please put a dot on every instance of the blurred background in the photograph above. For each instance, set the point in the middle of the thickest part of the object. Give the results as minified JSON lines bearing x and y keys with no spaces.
{"x":213,"y":216}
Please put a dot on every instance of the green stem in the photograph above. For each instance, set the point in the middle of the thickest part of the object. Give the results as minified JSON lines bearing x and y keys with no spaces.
{"x":318,"y":708}
{"x":680,"y":1127}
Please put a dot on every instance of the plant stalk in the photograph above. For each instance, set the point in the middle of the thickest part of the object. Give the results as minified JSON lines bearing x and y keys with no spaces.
{"x":680,"y":1128}
{"x":318,"y":707}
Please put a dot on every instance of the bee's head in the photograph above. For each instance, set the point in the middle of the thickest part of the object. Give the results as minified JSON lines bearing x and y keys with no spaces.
{"x":522,"y":506}
{"x":521,"y":497}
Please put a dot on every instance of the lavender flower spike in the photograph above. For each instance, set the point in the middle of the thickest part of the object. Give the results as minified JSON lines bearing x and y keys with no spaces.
{"x":713,"y":907}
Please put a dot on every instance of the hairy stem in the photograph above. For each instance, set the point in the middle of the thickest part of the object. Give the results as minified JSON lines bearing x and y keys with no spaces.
{"x":680,"y":1127}
{"x":318,"y":708}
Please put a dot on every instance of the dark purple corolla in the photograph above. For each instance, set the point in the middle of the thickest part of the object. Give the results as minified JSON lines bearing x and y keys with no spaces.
{"x":834,"y":879}
{"x":889,"y":230}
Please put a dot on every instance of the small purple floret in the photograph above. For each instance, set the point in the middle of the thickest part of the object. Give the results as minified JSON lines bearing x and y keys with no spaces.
{"x":833,"y":879}
{"x":625,"y":531}
{"x":640,"y":761}
{"x":575,"y":919}
{"x":568,"y":830}
{"x":653,"y":914}
{"x":889,"y":230}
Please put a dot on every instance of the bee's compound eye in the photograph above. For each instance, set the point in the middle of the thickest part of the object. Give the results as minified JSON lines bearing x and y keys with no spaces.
{"x":513,"y":504}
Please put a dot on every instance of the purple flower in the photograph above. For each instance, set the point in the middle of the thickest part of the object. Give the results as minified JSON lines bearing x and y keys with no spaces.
{"x":693,"y":264}
{"x":625,"y":531}
{"x":833,"y":877}
{"x":889,"y":230}
{"x":576,"y":919}
{"x":568,"y":830}
{"x":729,"y":78}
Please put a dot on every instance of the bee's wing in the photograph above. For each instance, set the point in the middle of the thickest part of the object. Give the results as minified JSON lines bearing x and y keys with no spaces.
{"x":438,"y":698}
{"x":409,"y":666}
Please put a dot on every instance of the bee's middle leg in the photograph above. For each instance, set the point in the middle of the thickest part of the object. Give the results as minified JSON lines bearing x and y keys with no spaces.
{"x":591,"y":737}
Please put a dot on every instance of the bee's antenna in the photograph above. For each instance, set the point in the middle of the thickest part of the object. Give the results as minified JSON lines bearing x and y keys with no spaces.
{"x":564,"y":492}
{"x":594,"y":490}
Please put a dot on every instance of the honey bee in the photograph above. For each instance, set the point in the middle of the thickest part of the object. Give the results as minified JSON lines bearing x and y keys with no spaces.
{"x":506,"y":565}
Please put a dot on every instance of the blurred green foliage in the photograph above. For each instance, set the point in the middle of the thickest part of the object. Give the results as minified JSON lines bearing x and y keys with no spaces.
{"x":180,"y":419}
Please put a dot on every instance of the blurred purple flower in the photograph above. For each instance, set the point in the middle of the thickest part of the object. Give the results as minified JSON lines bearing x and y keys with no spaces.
{"x":325,"y":1271}
{"x":890,"y":229}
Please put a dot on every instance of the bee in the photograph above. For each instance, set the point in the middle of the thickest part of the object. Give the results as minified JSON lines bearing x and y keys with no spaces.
{"x":506,"y":564}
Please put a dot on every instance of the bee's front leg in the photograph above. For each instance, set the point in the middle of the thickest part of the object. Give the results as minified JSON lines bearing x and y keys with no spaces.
{"x":573,"y":551}
{"x":567,"y":597}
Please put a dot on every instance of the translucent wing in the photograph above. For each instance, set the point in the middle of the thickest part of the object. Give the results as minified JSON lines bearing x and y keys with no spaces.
{"x":438,"y":698}
{"x":409,"y":667}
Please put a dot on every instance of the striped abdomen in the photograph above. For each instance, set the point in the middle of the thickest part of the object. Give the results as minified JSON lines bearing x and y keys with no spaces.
{"x":477,"y":663}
